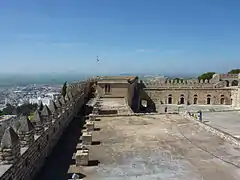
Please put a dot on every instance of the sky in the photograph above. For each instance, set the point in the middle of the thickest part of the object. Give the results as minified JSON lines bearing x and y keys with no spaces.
{"x":129,"y":36}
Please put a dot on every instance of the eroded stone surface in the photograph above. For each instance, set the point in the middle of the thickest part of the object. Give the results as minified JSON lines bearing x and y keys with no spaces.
{"x":159,"y":147}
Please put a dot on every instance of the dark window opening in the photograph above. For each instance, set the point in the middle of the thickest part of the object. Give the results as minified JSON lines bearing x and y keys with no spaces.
{"x":170,"y":100}
{"x":195,"y":101}
{"x":222,"y":101}
{"x":182,"y":100}
{"x":208,"y":100}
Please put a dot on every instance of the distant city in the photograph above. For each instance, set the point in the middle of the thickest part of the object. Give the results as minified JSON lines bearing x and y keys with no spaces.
{"x":17,"y":90}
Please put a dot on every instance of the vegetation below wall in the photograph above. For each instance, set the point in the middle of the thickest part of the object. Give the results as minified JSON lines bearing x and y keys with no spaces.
{"x":25,"y":109}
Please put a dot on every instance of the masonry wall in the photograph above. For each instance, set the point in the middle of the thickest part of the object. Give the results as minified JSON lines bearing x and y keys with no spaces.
{"x":116,"y":90}
{"x":33,"y":157}
{"x":235,"y":96}
{"x":160,"y":96}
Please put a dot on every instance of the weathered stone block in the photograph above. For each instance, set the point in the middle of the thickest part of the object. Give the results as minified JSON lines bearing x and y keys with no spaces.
{"x":82,"y":157}
{"x":90,"y":126}
{"x":87,"y":138}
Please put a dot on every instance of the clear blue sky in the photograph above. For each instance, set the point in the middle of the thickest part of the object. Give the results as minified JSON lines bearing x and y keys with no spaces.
{"x":170,"y":36}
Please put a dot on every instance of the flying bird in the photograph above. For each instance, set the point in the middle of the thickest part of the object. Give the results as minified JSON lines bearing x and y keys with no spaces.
{"x":98,"y":60}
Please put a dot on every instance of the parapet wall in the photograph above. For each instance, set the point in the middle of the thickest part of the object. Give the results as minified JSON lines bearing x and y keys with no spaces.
{"x":218,"y":81}
{"x":25,"y":144}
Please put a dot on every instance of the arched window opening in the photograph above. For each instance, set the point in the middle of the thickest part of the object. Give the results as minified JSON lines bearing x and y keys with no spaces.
{"x":182,"y":100}
{"x":195,"y":100}
{"x":222,"y":101}
{"x":208,"y":100}
{"x":169,"y":100}
{"x":227,"y":83}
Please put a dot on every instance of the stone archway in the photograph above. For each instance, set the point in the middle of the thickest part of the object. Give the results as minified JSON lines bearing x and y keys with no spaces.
{"x":234,"y":83}
{"x":208,"y":99}
{"x":169,"y":99}
{"x":222,"y":100}
{"x":227,"y":83}
{"x":182,"y":100}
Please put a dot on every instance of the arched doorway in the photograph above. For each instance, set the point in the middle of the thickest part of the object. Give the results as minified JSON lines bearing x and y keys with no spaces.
{"x":195,"y":99}
{"x":227,"y":83}
{"x":234,"y":83}
{"x":222,"y":99}
{"x":169,"y":99}
{"x":182,"y":99}
{"x":208,"y":99}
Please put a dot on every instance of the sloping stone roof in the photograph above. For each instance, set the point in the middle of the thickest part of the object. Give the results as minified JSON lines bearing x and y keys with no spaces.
{"x":52,"y":106}
{"x":37,"y":117}
{"x":58,"y":103}
{"x":46,"y":111}
{"x":62,"y":100}
{"x":25,"y":125}
{"x":9,"y":139}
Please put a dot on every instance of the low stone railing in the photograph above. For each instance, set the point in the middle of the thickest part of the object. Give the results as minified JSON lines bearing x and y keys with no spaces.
{"x":224,"y":135}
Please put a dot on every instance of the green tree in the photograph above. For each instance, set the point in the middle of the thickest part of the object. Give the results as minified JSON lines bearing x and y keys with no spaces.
{"x":234,"y":71}
{"x":207,"y":75}
{"x":64,"y":89}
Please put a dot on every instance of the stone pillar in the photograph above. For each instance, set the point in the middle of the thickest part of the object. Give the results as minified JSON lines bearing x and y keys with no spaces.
{"x":95,"y":110}
{"x":90,"y":126}
{"x":39,"y":129}
{"x":82,"y":157}
{"x":26,"y":132}
{"x":87,"y":138}
{"x":92,"y":117}
{"x":10,"y":147}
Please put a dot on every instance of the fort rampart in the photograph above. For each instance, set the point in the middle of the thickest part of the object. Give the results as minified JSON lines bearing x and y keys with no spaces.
{"x":25,"y":144}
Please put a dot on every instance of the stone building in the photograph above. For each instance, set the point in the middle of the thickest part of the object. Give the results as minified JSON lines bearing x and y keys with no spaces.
{"x":222,"y":89}
{"x":117,"y":88}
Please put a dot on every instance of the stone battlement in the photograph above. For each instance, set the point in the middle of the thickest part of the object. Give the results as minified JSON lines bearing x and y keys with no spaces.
{"x":26,"y":143}
{"x":218,"y":81}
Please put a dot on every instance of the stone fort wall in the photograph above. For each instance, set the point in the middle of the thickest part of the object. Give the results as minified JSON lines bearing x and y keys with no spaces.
{"x":189,"y":96}
{"x":221,"y":89}
{"x":25,"y":144}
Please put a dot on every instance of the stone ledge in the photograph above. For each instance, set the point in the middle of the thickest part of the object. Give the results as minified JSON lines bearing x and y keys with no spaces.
{"x":224,"y":135}
{"x":132,"y":114}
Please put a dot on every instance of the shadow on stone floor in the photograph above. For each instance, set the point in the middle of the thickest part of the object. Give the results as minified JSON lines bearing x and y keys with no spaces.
{"x":57,"y":164}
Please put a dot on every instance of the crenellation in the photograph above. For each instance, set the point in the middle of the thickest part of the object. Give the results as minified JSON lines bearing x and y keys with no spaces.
{"x":10,"y":147}
{"x":26,"y":132}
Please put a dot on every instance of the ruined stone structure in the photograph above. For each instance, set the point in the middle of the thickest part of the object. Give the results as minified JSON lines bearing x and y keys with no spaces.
{"x":25,"y":144}
{"x":221,"y":89}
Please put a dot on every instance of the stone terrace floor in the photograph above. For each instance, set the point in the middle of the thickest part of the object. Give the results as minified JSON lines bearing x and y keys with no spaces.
{"x":161,"y":147}
{"x":225,"y":121}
